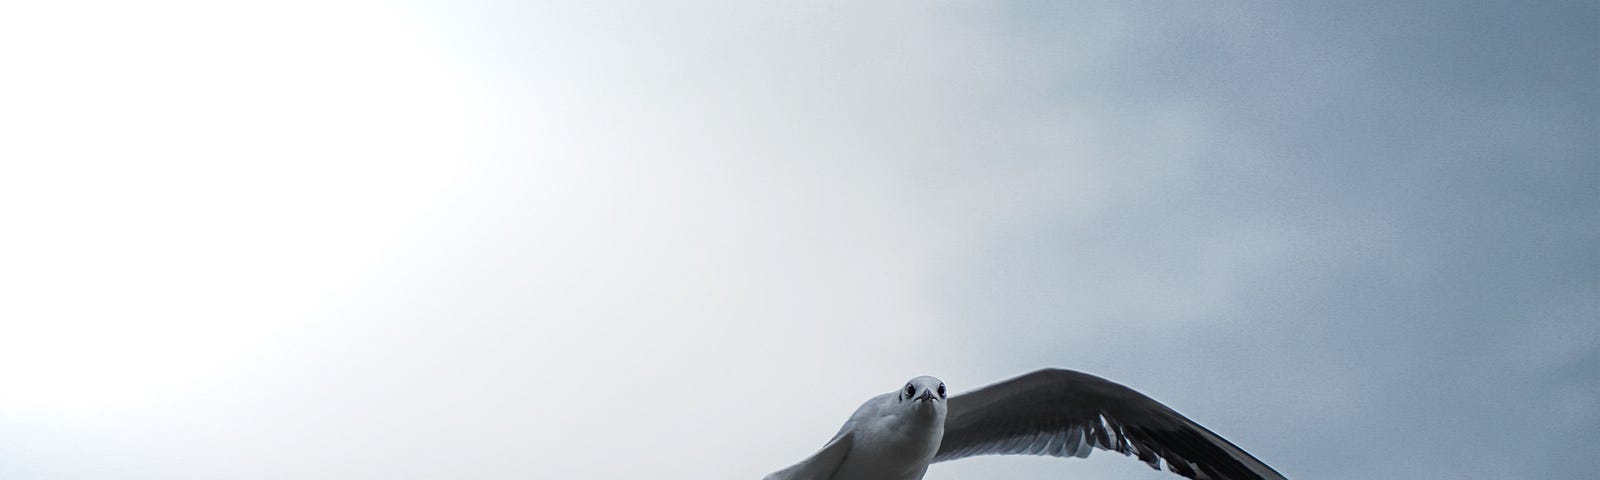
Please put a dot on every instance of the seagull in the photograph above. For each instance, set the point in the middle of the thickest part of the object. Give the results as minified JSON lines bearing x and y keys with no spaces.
{"x":1057,"y":412}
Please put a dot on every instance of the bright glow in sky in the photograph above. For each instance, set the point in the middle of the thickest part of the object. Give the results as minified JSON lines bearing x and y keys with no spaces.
{"x":185,"y":179}
{"x":356,"y":239}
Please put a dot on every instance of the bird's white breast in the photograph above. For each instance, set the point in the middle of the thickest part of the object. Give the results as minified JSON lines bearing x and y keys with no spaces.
{"x":892,"y":442}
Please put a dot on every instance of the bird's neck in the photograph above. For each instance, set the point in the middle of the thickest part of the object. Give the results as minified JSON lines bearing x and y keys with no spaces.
{"x":922,"y":419}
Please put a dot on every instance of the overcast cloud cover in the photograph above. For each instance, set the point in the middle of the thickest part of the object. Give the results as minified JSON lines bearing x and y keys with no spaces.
{"x":340,"y":240}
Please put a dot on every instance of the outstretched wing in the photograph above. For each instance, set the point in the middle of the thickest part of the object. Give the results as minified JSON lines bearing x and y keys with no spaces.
{"x":819,"y":466}
{"x":1067,"y":413}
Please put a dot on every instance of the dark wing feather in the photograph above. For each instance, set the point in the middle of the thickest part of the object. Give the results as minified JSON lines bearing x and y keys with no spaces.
{"x":1066,"y":413}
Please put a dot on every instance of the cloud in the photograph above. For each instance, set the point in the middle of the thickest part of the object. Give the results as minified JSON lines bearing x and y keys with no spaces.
{"x":686,"y":241}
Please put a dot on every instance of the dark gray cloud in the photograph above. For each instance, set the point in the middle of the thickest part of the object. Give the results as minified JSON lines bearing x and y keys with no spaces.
{"x":1379,"y":256}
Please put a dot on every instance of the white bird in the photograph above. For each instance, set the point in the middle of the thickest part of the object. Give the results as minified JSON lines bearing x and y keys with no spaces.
{"x":895,"y":436}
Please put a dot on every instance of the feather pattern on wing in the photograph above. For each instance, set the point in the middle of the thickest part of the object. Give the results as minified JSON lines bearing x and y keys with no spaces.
{"x":1065,"y":413}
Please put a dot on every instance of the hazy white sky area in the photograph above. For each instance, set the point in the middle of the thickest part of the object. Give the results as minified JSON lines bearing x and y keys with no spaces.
{"x":513,"y":240}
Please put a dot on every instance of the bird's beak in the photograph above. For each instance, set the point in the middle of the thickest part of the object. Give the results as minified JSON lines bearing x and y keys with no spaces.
{"x":926,"y":396}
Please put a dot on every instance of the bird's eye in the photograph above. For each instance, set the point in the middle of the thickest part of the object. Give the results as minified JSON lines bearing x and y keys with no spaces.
{"x":941,"y":390}
{"x":911,"y":391}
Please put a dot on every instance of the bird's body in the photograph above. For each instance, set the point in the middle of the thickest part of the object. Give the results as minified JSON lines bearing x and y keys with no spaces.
{"x":895,"y":436}
{"x":889,"y":443}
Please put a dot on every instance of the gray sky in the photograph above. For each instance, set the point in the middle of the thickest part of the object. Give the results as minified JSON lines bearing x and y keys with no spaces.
{"x":333,"y":240}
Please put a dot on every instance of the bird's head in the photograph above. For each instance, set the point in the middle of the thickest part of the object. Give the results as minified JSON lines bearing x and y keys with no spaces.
{"x":923,"y":393}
